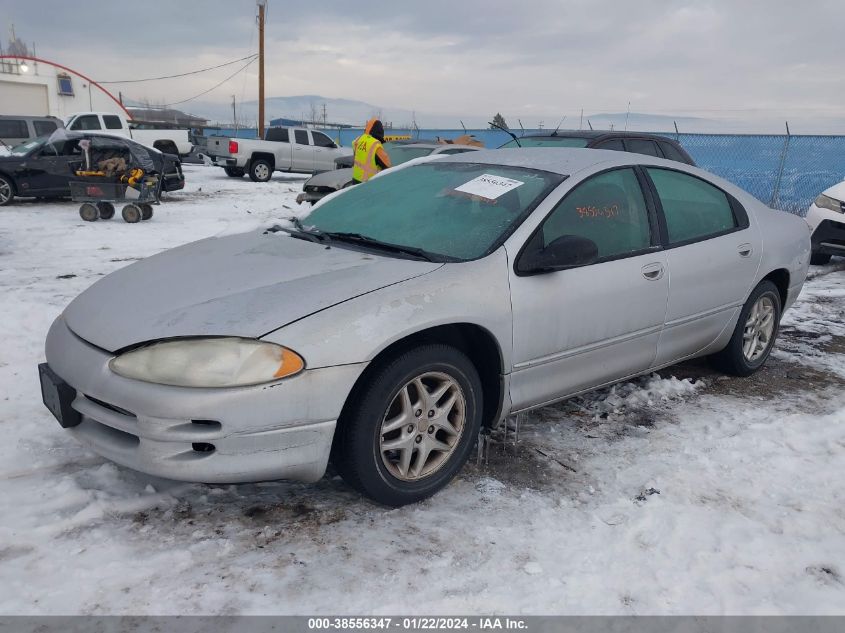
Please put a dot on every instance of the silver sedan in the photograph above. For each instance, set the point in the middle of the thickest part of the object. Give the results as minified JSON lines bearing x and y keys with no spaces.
{"x":402,"y":316}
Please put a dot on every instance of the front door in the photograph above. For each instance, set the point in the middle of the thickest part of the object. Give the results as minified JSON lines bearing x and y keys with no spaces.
{"x":579,"y":328}
{"x":324,"y":151}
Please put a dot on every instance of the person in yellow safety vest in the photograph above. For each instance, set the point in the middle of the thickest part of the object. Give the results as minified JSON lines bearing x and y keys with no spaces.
{"x":370,"y":156}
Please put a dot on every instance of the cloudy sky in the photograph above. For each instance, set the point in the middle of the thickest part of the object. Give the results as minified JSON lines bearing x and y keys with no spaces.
{"x":747,"y":60}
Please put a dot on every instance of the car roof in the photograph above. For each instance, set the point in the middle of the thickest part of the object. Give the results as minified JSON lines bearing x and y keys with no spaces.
{"x":564,"y":160}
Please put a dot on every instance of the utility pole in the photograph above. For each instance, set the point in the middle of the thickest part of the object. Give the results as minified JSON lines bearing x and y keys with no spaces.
{"x":261,"y":5}
{"x":234,"y":114}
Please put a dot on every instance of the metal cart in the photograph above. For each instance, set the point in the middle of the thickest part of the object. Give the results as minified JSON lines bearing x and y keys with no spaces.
{"x":115,"y":171}
{"x":98,"y":197}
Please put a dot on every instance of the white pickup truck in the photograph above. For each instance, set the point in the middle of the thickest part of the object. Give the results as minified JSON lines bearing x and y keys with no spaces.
{"x":288,"y":149}
{"x":159,"y":136}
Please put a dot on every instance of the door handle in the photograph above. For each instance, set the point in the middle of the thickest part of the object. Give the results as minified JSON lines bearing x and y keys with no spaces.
{"x":653,"y":272}
{"x":745,"y":250}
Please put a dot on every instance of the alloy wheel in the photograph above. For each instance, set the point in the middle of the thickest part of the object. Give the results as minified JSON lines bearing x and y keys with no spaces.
{"x":422,"y":426}
{"x":5,"y":191}
{"x":759,"y":328}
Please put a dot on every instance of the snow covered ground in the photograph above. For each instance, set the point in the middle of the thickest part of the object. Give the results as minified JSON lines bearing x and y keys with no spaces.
{"x":686,"y":492}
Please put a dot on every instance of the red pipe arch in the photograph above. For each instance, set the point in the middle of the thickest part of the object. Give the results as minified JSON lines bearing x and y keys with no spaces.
{"x":70,"y":70}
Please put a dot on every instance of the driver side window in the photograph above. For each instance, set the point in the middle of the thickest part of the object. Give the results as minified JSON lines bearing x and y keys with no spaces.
{"x":608,"y":209}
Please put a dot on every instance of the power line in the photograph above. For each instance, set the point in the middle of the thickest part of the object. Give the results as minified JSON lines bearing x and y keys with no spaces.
{"x":193,"y":72}
{"x":241,"y":69}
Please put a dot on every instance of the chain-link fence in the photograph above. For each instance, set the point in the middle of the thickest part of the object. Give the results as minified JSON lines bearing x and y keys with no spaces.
{"x":785,"y":172}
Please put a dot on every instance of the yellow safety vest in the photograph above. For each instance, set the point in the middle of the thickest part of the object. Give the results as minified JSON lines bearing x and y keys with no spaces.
{"x":365,"y":166}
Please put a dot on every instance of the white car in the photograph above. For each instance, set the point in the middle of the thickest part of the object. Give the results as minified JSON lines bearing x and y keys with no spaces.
{"x":826,"y":218}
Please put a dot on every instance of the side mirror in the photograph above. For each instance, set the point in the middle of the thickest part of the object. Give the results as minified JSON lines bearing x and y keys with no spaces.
{"x":567,"y":251}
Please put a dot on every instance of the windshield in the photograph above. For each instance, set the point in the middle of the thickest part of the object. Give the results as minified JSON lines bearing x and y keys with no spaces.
{"x":547,"y":141}
{"x":402,"y":154}
{"x":25,"y":148}
{"x":454,"y":211}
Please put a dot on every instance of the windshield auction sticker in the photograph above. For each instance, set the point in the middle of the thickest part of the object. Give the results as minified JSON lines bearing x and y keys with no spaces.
{"x":489,"y":186}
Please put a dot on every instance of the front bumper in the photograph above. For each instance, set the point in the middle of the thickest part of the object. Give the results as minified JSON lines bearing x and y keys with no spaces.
{"x":828,"y":238}
{"x":281,"y":430}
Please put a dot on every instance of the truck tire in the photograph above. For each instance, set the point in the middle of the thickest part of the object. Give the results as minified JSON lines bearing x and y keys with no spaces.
{"x":260,"y":170}
{"x":234,"y":172}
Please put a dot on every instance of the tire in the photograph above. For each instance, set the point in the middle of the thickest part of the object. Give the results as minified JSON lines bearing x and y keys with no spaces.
{"x":106,"y":210}
{"x":816,"y":259}
{"x":131,"y":213}
{"x":234,"y":172}
{"x":396,"y":477}
{"x":7,"y":190}
{"x":89,"y":212}
{"x":260,"y":170}
{"x":734,"y":359}
{"x":146,"y":211}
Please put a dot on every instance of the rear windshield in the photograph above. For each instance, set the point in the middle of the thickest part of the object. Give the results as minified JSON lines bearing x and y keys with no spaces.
{"x":454,"y":211}
{"x":547,"y":141}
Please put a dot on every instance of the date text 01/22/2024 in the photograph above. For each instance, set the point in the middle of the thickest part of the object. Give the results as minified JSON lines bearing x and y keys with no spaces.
{"x":417,"y":624}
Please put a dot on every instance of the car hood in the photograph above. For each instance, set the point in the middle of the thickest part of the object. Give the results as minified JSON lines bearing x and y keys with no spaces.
{"x":335,"y":178}
{"x":243,"y":285}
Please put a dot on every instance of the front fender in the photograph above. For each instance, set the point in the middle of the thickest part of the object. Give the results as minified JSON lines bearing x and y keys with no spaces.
{"x":357,"y":330}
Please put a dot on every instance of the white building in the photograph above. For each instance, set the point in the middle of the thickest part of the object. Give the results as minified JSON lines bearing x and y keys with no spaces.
{"x":37,"y":87}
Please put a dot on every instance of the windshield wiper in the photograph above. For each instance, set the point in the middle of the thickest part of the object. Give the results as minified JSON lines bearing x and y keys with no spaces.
{"x":364,"y":240}
{"x":312,"y":235}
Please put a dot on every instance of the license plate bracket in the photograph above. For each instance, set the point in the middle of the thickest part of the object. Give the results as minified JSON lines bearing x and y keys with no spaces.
{"x":58,"y":396}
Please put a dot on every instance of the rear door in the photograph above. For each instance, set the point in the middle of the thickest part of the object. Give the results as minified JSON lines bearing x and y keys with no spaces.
{"x":303,"y":151}
{"x":713,"y":253}
{"x":282,"y":146}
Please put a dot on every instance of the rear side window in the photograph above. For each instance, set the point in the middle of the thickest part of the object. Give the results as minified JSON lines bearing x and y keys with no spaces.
{"x":278,"y":134}
{"x":301,"y":137}
{"x":12,"y":128}
{"x":694,"y":209}
{"x":321,"y":140}
{"x":671,"y":152}
{"x":42,"y":128}
{"x":614,"y":144}
{"x":608,"y":209}
{"x":112,"y":122}
{"x":87,"y":122}
{"x":642,"y":146}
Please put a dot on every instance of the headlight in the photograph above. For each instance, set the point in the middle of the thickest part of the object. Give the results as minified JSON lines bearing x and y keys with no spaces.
{"x":826,"y":202}
{"x":209,"y":362}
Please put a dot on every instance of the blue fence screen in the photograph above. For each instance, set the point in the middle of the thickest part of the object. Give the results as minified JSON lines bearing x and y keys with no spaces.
{"x":785,"y":172}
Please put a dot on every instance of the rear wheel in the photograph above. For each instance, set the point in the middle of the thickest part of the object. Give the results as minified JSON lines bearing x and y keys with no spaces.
{"x":7,"y":190}
{"x":131,"y":213}
{"x":146,"y":211}
{"x":234,"y":172}
{"x":755,"y":333}
{"x":412,"y":426}
{"x":88,"y":211}
{"x":260,"y":170}
{"x":819,"y":259}
{"x":106,"y":210}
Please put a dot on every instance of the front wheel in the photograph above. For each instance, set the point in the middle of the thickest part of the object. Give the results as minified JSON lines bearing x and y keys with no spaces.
{"x":7,"y":191}
{"x":755,"y":333}
{"x":412,"y":427}
{"x":260,"y":170}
